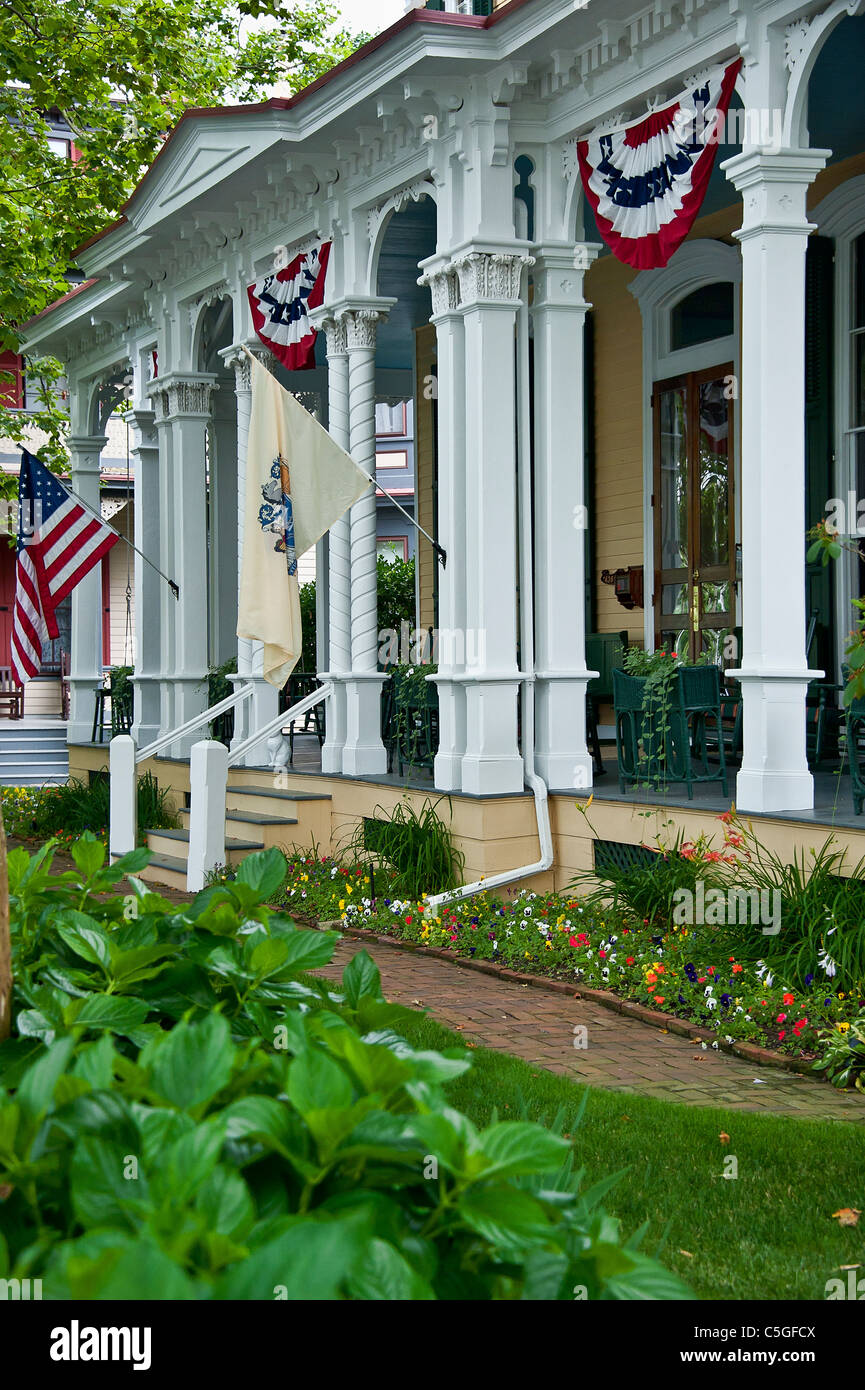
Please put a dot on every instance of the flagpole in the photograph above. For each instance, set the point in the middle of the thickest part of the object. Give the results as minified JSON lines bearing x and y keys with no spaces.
{"x":175,"y":588}
{"x":441,"y":553}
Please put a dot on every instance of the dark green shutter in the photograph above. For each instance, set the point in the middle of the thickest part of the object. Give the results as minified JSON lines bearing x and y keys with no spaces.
{"x":819,"y":438}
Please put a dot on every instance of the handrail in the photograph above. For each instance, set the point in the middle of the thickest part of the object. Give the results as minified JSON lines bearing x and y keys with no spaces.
{"x":276,"y":724}
{"x":243,"y":692}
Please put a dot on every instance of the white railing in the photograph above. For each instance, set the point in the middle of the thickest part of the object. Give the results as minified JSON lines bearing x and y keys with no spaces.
{"x":208,"y":786}
{"x":123,"y":759}
{"x":209,"y":762}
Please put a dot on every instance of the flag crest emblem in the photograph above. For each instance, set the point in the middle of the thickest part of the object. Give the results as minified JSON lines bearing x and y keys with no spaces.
{"x":276,"y":514}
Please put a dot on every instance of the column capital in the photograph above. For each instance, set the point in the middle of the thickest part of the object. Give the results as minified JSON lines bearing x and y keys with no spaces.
{"x":774,"y":186}
{"x":441,"y":279}
{"x":236,"y":357}
{"x":324,"y":320}
{"x":358,"y":318}
{"x":182,"y":394}
{"x":490,"y":273}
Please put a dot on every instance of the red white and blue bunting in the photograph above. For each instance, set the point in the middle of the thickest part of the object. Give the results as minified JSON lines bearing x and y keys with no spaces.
{"x":280,"y":304}
{"x":646,"y":181}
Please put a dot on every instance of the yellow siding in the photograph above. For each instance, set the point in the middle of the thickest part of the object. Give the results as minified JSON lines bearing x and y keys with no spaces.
{"x":119,"y":557}
{"x":617,"y":508}
{"x":425,"y":356}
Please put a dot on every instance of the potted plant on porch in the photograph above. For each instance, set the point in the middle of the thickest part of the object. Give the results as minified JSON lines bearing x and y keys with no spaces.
{"x":664,"y":708}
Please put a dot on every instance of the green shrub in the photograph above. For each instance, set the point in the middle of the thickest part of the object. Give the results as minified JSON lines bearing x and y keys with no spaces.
{"x":186,"y":1114}
{"x":67,"y":811}
{"x":416,"y":845}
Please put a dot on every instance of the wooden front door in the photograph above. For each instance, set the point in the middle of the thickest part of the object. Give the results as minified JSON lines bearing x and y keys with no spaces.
{"x":694,"y":511}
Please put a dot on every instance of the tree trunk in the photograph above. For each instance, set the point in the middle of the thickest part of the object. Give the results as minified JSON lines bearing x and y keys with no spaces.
{"x":5,"y":941}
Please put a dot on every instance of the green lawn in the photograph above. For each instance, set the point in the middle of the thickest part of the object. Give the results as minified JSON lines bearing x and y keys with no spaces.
{"x":766,"y":1234}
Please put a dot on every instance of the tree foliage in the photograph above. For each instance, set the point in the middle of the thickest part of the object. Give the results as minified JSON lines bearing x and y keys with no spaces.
{"x":120,"y":73}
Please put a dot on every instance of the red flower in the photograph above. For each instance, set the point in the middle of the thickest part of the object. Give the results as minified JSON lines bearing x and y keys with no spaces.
{"x":782,"y":1034}
{"x":788,"y":999}
{"x":408,"y":921}
{"x":629,"y":960}
{"x":797,"y":1027}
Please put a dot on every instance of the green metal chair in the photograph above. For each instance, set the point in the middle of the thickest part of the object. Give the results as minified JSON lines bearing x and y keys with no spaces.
{"x":605,"y":653}
{"x":678,"y":751}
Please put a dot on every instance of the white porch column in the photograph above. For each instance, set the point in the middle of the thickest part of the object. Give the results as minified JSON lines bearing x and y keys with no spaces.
{"x":561,"y":677}
{"x":774,"y":671}
{"x":443,"y":282}
{"x":364,"y":752}
{"x":257,"y":711}
{"x":338,"y":587}
{"x":85,"y":658}
{"x":148,"y":585}
{"x":183,"y":408}
{"x":489,"y":282}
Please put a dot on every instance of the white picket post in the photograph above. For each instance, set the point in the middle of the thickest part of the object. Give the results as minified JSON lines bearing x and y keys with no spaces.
{"x":123,"y":797}
{"x":208,"y":780}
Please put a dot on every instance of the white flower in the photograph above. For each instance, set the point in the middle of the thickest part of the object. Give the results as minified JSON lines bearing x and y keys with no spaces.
{"x":827,"y":964}
{"x":711,"y":1003}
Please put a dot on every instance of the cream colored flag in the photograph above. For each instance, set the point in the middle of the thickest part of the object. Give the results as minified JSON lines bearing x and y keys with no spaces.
{"x":298,"y":483}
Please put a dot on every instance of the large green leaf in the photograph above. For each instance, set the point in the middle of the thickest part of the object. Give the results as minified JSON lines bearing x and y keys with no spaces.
{"x":36,"y":1092}
{"x":264,"y":872}
{"x":507,"y":1217}
{"x":311,"y":1262}
{"x":383,"y":1275}
{"x":361,"y":978}
{"x":106,"y":1011}
{"x":85,"y":937}
{"x":316,"y":1082}
{"x":225,"y":1203}
{"x":89,"y":854}
{"x":108,"y":1186}
{"x":516,"y":1146}
{"x":193,"y":1062}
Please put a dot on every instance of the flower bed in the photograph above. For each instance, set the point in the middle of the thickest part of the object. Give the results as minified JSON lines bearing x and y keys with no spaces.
{"x":673,"y":970}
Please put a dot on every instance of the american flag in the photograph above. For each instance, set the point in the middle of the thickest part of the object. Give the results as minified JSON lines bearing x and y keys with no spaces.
{"x":280,"y":304}
{"x":59,"y":542}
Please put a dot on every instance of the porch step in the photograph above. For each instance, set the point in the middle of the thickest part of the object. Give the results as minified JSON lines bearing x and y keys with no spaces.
{"x":256,"y":818}
{"x":277,"y":795}
{"x":33,"y":757}
{"x":173,"y":839}
{"x":167,"y":870}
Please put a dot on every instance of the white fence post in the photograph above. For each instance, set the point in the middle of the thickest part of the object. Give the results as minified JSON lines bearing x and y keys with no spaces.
{"x":123,"y":803}
{"x":208,"y":780}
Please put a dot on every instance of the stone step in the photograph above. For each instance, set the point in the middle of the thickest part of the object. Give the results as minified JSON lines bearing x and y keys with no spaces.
{"x":277,"y":794}
{"x":164,"y":841}
{"x":167,"y":870}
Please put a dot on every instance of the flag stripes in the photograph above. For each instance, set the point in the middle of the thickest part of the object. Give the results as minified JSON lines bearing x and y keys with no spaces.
{"x":59,"y":542}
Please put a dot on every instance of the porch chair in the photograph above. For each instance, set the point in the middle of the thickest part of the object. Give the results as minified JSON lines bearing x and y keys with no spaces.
{"x":680,"y":751}
{"x":11,"y":694}
{"x":605,"y":653}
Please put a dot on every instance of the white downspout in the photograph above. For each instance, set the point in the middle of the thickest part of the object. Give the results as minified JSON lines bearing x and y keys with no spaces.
{"x":527,"y":625}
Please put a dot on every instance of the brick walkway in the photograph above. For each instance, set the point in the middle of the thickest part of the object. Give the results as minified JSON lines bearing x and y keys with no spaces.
{"x":621,"y":1054}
